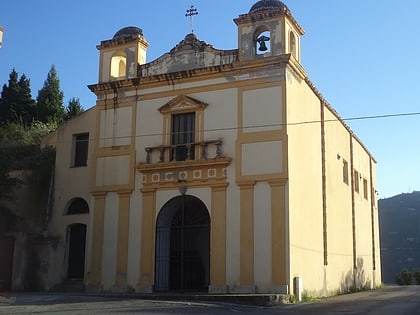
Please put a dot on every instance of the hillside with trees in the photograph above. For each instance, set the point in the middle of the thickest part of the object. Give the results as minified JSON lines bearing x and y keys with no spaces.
{"x":399,"y":223}
{"x":23,"y":123}
{"x":27,"y":172}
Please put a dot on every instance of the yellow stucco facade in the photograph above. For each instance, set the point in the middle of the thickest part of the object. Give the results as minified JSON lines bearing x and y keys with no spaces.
{"x":223,"y":171}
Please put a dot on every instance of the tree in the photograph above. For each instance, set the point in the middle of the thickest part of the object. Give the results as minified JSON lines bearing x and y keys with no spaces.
{"x":16,"y":102}
{"x":27,"y":113}
{"x":50,"y":108}
{"x":74,"y":108}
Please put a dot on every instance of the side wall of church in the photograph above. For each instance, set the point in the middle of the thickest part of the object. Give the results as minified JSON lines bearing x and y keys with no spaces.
{"x":333,"y":234}
{"x":305,"y":212}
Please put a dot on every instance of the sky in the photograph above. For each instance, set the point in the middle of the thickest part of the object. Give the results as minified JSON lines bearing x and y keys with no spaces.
{"x":362,"y":55}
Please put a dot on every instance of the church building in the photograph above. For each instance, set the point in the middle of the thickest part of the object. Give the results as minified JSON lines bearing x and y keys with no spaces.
{"x":219,"y":171}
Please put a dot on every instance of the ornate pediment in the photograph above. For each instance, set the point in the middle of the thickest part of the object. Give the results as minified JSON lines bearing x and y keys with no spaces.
{"x":191,"y":53}
{"x":182,"y":103}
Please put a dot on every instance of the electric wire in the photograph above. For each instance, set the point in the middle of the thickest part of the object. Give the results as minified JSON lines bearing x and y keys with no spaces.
{"x":211,"y":130}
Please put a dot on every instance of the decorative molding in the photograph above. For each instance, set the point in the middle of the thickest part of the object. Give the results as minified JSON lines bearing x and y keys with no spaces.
{"x":182,"y":103}
{"x":170,"y":175}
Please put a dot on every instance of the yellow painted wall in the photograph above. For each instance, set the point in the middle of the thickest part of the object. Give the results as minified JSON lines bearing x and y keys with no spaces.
{"x":69,"y":183}
{"x":304,"y":185}
{"x":363,"y":211}
{"x":339,"y":206}
{"x":115,"y":127}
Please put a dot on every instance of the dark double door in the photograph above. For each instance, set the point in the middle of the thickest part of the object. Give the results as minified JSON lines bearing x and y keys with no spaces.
{"x":183,"y":246}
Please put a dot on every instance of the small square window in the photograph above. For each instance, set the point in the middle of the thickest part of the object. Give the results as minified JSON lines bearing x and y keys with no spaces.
{"x":345,"y":172}
{"x":80,"y":149}
{"x":356,"y":181}
{"x":365,"y":188}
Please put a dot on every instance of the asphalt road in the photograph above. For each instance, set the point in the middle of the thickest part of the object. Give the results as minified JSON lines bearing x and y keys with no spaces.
{"x":386,"y":301}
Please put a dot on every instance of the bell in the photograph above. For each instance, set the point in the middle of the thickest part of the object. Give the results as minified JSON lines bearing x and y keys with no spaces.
{"x":262,"y":47}
{"x":261,"y":40}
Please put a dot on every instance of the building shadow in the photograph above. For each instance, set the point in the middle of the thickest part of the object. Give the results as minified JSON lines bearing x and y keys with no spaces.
{"x":355,"y":279}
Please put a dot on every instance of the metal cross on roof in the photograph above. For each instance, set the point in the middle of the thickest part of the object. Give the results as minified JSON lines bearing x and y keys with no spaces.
{"x":191,"y":12}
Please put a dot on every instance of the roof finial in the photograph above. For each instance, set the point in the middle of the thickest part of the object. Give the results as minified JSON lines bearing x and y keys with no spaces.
{"x":191,"y":12}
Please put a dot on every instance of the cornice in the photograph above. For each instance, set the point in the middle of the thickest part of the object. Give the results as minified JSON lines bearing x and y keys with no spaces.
{"x":264,"y":15}
{"x":198,"y":74}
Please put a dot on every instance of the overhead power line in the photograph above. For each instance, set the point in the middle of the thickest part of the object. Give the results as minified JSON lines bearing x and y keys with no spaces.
{"x":382,"y":116}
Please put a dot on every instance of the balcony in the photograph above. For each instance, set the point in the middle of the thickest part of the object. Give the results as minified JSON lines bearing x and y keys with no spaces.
{"x":195,"y":164}
{"x":184,"y":152}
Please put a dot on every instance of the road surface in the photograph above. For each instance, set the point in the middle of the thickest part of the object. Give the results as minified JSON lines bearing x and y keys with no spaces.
{"x":385,"y":301}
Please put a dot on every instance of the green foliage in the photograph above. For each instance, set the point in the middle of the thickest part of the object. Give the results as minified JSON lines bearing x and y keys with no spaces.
{"x":74,"y":108}
{"x":404,"y":277}
{"x":20,"y":141}
{"x":7,"y":182}
{"x":416,"y":276}
{"x":15,"y":134}
{"x":20,"y":150}
{"x":42,"y":166}
{"x":38,"y":130}
{"x":309,"y":298}
{"x":16,"y":102}
{"x":50,"y":108}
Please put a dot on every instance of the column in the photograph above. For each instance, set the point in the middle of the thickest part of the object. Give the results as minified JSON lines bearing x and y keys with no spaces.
{"x":147,"y":250}
{"x":218,"y":240}
{"x":95,"y":272}
{"x":123,"y":231}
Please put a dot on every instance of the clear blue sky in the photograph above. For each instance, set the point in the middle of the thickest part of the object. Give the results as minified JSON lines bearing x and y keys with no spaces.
{"x":363,"y":56}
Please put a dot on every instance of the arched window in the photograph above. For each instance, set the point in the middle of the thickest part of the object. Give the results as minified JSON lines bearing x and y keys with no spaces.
{"x":118,"y":66}
{"x":77,"y":206}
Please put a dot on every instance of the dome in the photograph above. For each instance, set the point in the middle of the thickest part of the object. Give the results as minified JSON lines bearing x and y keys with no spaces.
{"x":128,"y":32}
{"x":273,"y":5}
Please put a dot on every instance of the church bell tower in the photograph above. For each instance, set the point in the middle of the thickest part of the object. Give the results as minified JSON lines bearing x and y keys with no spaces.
{"x":268,"y":29}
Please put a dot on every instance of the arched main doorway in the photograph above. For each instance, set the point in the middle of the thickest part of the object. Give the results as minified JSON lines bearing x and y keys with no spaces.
{"x":182,"y":260}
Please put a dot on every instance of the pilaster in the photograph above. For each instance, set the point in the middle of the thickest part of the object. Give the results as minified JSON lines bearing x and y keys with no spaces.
{"x":247,"y":235}
{"x":147,"y":250}
{"x":123,"y":234}
{"x":95,"y":272}
{"x":218,"y":240}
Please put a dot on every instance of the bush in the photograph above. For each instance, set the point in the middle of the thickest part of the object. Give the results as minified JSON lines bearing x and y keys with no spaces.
{"x":404,"y":277}
{"x":417,"y":276}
